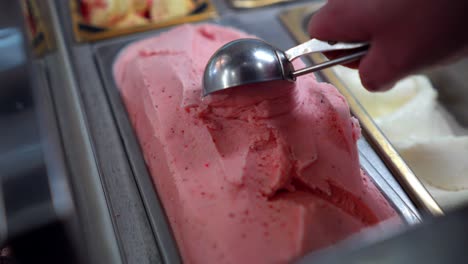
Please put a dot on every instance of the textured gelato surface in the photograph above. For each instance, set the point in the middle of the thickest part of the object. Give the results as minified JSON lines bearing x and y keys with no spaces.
{"x":259,"y":174}
{"x":427,"y":137}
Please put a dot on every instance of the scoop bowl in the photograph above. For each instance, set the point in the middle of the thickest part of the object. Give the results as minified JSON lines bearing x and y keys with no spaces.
{"x":245,"y":61}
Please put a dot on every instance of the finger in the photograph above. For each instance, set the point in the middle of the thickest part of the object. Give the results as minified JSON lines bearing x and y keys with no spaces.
{"x":341,"y":20}
{"x":382,"y":67}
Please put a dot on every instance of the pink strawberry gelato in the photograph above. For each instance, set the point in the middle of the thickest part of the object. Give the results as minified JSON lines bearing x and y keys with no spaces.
{"x":258,"y":174}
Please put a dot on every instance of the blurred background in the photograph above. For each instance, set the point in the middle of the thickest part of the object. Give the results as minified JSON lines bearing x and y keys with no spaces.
{"x":74,"y":186}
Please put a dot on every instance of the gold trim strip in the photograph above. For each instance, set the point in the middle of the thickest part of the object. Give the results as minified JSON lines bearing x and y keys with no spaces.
{"x":255,"y":3}
{"x":293,"y":20}
{"x":81,"y":36}
{"x":34,"y":16}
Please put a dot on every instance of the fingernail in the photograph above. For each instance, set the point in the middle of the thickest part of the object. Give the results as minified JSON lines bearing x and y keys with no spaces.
{"x":367,"y":84}
{"x":372,"y":87}
{"x":385,"y":87}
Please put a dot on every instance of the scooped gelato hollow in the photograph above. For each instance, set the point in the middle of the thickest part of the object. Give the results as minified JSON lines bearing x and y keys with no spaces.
{"x":258,"y":174}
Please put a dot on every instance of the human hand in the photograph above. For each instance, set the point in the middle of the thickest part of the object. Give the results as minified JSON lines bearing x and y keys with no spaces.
{"x":405,"y":35}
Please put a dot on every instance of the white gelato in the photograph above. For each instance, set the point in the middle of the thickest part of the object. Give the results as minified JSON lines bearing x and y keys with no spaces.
{"x":427,"y":137}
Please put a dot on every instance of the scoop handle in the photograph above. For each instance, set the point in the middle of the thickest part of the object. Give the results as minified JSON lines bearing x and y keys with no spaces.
{"x":315,"y":46}
{"x":330,"y":63}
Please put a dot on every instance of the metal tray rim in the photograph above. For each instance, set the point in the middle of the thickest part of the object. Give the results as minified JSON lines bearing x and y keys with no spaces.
{"x":156,"y":214}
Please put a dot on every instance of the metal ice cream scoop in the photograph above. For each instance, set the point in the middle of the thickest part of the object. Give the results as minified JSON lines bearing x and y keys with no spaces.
{"x":246,"y":61}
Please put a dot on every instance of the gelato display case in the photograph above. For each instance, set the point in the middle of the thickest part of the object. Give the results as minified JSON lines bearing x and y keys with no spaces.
{"x":124,"y":170}
{"x":116,"y":195}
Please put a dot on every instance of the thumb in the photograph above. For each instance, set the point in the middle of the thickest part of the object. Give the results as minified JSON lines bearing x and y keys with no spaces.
{"x":382,"y":67}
